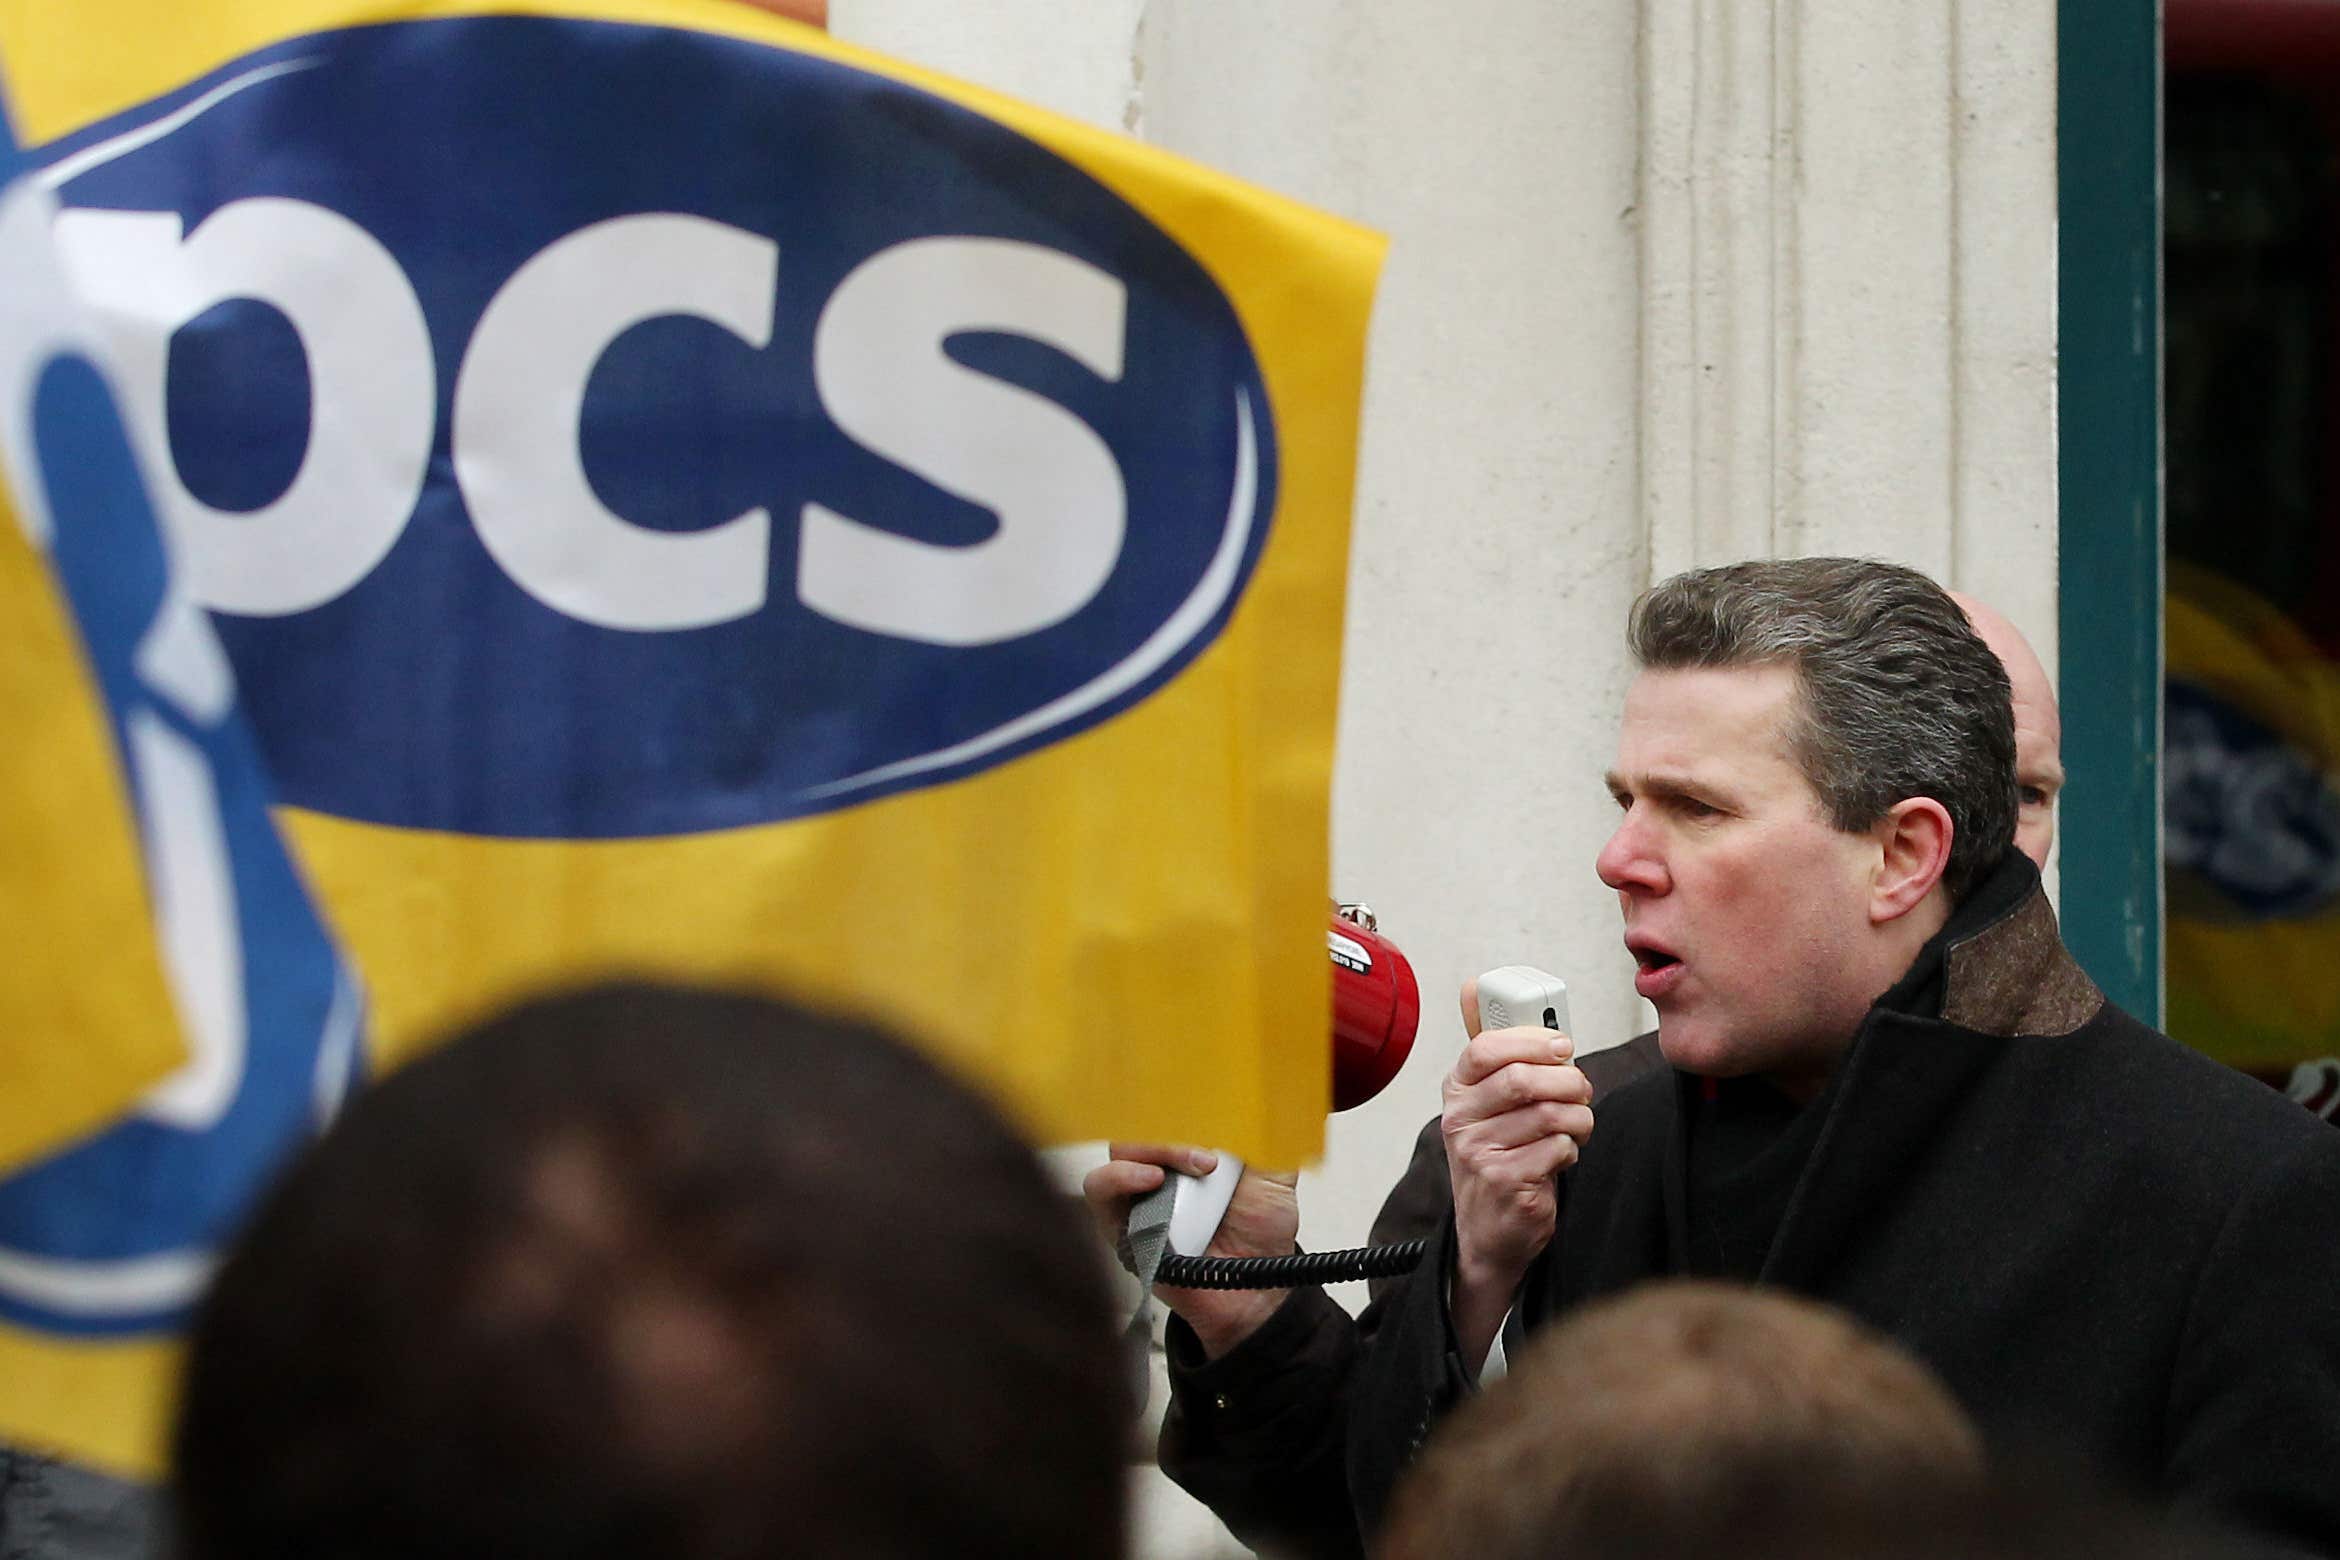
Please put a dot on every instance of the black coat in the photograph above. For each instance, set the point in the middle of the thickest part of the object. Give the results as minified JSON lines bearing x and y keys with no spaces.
{"x":2094,"y":1235}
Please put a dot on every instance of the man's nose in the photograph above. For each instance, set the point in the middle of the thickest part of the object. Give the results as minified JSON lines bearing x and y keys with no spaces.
{"x":1630,"y":860}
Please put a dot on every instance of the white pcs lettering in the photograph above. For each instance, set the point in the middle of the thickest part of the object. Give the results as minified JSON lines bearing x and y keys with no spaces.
{"x":879,"y":368}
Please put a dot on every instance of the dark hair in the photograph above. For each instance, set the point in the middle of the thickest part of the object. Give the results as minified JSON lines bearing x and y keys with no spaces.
{"x":1686,"y":1420}
{"x":649,"y":1272}
{"x":1901,"y":697}
{"x":1773,"y":1507}
{"x":1670,"y":1399}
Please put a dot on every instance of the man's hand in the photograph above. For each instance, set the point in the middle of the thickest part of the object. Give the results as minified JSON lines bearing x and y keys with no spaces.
{"x":1262,"y":1220}
{"x":1517,"y":1112}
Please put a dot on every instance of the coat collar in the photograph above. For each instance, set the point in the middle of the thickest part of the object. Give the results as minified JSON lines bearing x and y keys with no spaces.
{"x":2009,"y":972}
{"x":1998,"y":966}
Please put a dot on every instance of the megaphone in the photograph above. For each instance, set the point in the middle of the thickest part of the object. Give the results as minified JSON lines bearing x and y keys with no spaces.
{"x":1376,"y":1008}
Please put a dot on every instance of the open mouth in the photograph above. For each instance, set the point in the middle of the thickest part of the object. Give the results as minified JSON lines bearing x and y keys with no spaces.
{"x":1656,"y":971}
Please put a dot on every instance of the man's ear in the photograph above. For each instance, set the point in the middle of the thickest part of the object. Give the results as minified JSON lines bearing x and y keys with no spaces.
{"x":1913,"y":841}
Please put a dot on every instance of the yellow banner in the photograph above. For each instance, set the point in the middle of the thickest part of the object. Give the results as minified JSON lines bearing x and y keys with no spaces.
{"x":173,"y":1018}
{"x":684,"y":496}
{"x":1111,"y":910}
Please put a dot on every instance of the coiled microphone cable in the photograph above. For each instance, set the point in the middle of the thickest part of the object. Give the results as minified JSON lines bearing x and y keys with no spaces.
{"x":1301,"y":1267}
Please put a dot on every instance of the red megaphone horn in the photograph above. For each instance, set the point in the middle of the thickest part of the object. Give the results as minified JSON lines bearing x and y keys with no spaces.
{"x":1376,"y":1006}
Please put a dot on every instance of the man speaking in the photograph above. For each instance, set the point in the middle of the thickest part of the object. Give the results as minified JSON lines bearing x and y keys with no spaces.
{"x":1889,"y":1088}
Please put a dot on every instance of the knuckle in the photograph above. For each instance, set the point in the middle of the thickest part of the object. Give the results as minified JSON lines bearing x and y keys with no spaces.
{"x":1490,"y":1053}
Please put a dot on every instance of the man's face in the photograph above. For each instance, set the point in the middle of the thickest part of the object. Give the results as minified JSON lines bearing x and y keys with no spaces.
{"x":1746,"y":911}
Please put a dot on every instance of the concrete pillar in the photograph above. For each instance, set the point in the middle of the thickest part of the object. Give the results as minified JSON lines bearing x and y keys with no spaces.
{"x":1849,"y":287}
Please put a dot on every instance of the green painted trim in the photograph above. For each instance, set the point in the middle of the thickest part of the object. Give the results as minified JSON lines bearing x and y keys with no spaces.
{"x":2108,"y":192}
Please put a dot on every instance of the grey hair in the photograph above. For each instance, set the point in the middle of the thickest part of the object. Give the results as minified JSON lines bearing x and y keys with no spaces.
{"x":1901,"y":697}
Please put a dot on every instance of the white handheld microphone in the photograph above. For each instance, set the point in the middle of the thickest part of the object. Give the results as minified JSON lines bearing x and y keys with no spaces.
{"x":1521,"y":994}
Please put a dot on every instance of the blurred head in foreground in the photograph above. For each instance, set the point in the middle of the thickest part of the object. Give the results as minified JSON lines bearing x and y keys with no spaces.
{"x":644,"y":1272}
{"x":1687,"y":1420}
{"x":1669,"y":1405}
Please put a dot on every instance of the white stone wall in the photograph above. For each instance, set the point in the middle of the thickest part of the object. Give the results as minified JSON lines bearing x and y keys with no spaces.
{"x":1670,"y":282}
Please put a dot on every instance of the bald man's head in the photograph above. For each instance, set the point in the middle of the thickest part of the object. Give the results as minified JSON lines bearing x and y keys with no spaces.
{"x":2039,"y":727}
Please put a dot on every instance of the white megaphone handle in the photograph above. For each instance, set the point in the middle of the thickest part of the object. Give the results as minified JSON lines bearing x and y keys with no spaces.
{"x":1198,"y":1203}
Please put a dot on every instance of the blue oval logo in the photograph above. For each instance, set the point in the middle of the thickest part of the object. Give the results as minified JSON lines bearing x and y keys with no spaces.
{"x":585,"y":430}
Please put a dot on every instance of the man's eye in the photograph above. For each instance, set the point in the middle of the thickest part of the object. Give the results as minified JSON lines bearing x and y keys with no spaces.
{"x":2032,"y":795}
